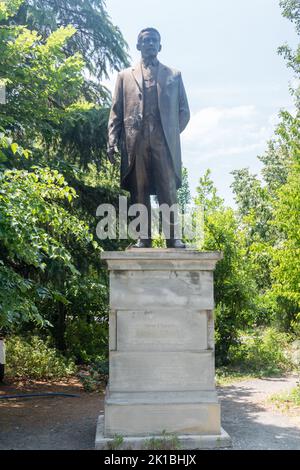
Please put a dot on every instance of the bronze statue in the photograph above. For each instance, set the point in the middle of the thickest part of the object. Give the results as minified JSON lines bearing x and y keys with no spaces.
{"x":149,"y":111}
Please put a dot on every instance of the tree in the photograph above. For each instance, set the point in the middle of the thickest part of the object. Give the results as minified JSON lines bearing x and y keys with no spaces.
{"x":44,"y":68}
{"x":235,"y":288}
{"x":100,"y":43}
{"x":183,"y":193}
{"x":268,"y":208}
{"x":50,"y":274}
{"x":286,"y":254}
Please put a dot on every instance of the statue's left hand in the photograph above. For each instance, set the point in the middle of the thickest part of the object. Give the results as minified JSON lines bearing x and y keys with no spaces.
{"x":111,"y":153}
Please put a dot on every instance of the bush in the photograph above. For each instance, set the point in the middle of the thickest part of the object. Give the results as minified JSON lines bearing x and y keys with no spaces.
{"x":35,"y":360}
{"x":86,"y":341}
{"x":264,"y":352}
{"x":294,"y":396}
{"x":95,"y":375}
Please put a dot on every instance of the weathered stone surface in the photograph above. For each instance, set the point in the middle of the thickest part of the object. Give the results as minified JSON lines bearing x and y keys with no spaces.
{"x":162,"y":349}
{"x":161,"y":371}
{"x":142,"y":398}
{"x":162,"y":330}
{"x":113,"y":330}
{"x":189,"y":442}
{"x":137,"y":290}
{"x":150,"y":419}
{"x":161,"y":259}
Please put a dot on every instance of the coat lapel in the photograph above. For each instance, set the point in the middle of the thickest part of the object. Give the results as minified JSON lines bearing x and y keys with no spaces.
{"x":161,"y":78}
{"x":138,"y":75}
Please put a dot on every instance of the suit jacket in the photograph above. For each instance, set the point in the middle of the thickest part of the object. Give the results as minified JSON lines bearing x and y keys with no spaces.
{"x":126,"y":116}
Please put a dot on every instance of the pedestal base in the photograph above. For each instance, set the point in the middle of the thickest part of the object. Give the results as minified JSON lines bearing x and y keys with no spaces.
{"x":161,"y":351}
{"x":185,"y":442}
{"x":154,"y":413}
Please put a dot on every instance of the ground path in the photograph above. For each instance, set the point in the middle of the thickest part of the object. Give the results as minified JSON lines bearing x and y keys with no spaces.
{"x":70,"y":423}
{"x":254,"y":423}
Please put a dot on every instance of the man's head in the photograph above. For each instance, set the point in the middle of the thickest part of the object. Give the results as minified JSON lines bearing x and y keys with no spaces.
{"x":149,"y":43}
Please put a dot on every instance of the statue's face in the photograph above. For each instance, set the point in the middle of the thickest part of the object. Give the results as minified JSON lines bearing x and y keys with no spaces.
{"x":149,"y":44}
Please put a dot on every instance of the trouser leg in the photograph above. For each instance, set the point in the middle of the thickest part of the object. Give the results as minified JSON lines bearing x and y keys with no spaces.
{"x":165,"y":181}
{"x":140,"y":186}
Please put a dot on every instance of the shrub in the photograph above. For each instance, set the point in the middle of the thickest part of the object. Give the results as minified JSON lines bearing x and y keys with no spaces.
{"x":86,"y":341}
{"x":294,"y":396}
{"x":33,"y":359}
{"x":95,"y":375}
{"x":264,"y":352}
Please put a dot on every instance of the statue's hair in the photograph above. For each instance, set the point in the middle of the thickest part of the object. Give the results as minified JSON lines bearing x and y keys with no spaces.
{"x":146,"y":30}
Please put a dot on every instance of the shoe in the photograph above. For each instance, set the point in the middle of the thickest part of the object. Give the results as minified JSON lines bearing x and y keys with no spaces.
{"x":175,"y":244}
{"x":143,"y":243}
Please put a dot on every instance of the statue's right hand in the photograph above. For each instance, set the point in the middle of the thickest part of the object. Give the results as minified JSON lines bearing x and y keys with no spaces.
{"x":111,"y":154}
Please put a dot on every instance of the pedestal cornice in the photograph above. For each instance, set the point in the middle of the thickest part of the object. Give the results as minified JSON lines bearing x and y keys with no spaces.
{"x":161,"y":259}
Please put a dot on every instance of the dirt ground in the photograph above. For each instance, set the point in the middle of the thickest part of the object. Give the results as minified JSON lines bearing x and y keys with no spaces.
{"x":70,"y":423}
{"x":58,"y":423}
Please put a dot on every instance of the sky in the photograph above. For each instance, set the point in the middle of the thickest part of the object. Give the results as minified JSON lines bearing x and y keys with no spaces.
{"x":236,"y":82}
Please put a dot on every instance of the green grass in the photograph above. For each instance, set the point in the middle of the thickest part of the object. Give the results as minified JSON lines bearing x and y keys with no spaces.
{"x":287,"y":400}
{"x":228,"y":375}
{"x":259,"y":353}
{"x":116,"y":443}
{"x":167,"y":441}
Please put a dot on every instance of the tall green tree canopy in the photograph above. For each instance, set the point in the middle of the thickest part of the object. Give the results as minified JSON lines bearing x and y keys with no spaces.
{"x":100,"y":42}
{"x":269,"y":206}
{"x":43,"y":64}
{"x":50,"y":272}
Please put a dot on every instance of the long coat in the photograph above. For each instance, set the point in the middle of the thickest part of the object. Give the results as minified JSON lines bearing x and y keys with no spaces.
{"x":126,"y":116}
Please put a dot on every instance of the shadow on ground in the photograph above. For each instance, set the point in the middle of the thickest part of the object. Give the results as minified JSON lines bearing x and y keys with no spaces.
{"x":252,"y":425}
{"x":70,"y":423}
{"x":49,"y":423}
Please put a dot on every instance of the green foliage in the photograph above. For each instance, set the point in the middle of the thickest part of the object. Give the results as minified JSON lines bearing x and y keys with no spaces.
{"x":9,"y":8}
{"x":18,"y":298}
{"x":183,"y":193}
{"x":37,"y":235}
{"x":207,"y":194}
{"x":269,"y":209}
{"x":28,"y":209}
{"x":54,"y":125}
{"x":159,"y":241}
{"x":83,"y":134}
{"x":99,"y":41}
{"x":53,"y":175}
{"x":35,"y":360}
{"x":95,"y":376}
{"x":40,"y":81}
{"x":52,"y":98}
{"x":286,"y":255}
{"x":235,"y":289}
{"x":262,"y":352}
{"x":51,"y":102}
{"x":167,"y":441}
{"x":84,"y":339}
{"x":116,"y":443}
{"x":288,"y":399}
{"x":291,"y":10}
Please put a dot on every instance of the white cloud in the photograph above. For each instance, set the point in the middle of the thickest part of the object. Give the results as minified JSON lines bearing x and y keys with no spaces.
{"x":209,"y":119}
{"x":217,"y":131}
{"x":224,"y":139}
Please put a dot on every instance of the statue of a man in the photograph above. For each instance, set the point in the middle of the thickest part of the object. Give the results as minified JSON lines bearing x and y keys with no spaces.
{"x":149,"y":111}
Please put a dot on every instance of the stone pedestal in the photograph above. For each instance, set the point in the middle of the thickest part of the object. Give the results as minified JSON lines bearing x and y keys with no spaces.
{"x":161,"y":377}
